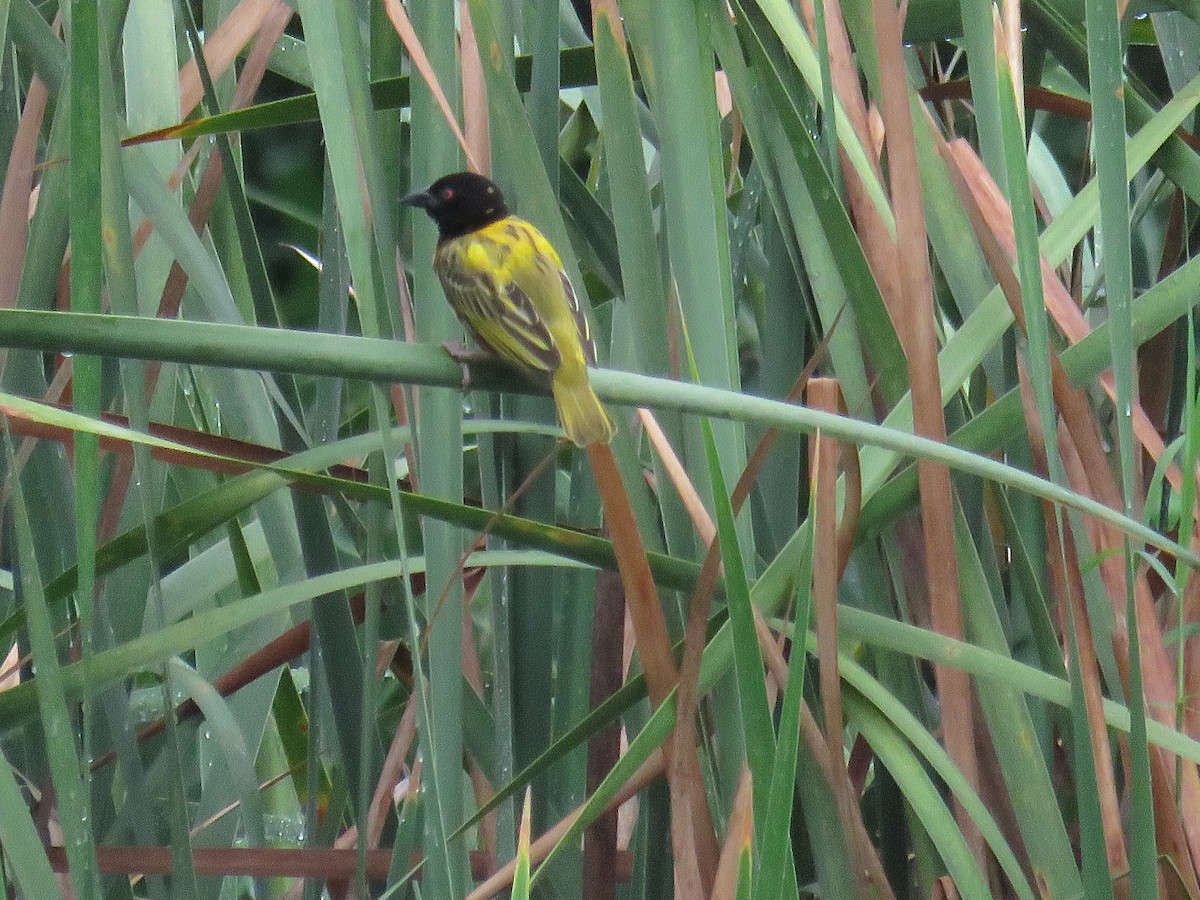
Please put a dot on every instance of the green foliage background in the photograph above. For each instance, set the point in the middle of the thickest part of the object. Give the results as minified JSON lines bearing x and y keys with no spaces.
{"x":230,"y":422}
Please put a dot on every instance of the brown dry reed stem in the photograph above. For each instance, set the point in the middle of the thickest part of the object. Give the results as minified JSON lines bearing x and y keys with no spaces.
{"x":651,"y":769}
{"x":913,"y":319}
{"x":824,"y":394}
{"x":739,"y":834}
{"x":1084,"y":458}
{"x":693,"y":837}
{"x":1067,"y":584}
{"x":408,"y":37}
{"x":604,"y":748}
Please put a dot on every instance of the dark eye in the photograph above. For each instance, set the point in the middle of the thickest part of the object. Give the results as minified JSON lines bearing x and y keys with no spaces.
{"x":447,"y":194}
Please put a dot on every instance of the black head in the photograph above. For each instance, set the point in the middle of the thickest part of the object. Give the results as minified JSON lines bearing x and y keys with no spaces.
{"x":460,"y":203}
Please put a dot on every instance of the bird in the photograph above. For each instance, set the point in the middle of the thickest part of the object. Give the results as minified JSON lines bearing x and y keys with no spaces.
{"x":507,"y":286}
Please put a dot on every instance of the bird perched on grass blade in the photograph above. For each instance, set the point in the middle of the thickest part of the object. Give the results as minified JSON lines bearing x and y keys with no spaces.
{"x":507,"y":285}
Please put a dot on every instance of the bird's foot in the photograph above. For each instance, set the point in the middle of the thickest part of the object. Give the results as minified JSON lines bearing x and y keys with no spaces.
{"x":465,"y":357}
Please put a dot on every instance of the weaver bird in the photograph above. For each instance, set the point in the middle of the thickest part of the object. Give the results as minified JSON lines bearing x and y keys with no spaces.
{"x":507,"y":286}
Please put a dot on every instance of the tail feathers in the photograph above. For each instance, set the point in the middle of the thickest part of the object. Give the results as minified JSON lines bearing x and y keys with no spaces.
{"x":580,"y":411}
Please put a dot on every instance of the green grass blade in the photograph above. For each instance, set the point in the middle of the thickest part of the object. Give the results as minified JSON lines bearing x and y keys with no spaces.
{"x":23,"y":851}
{"x":49,"y":690}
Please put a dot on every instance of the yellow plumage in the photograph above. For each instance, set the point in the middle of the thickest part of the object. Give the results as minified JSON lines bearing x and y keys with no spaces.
{"x":506,"y":283}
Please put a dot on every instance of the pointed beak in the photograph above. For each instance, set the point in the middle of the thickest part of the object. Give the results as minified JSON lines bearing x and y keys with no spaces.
{"x":422,"y":199}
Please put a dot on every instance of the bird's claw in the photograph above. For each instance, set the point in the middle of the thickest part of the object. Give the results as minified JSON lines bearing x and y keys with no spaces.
{"x":465,"y":357}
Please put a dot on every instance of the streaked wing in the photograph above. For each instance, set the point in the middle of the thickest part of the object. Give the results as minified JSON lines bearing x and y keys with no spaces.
{"x":581,"y":322}
{"x":505,"y":323}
